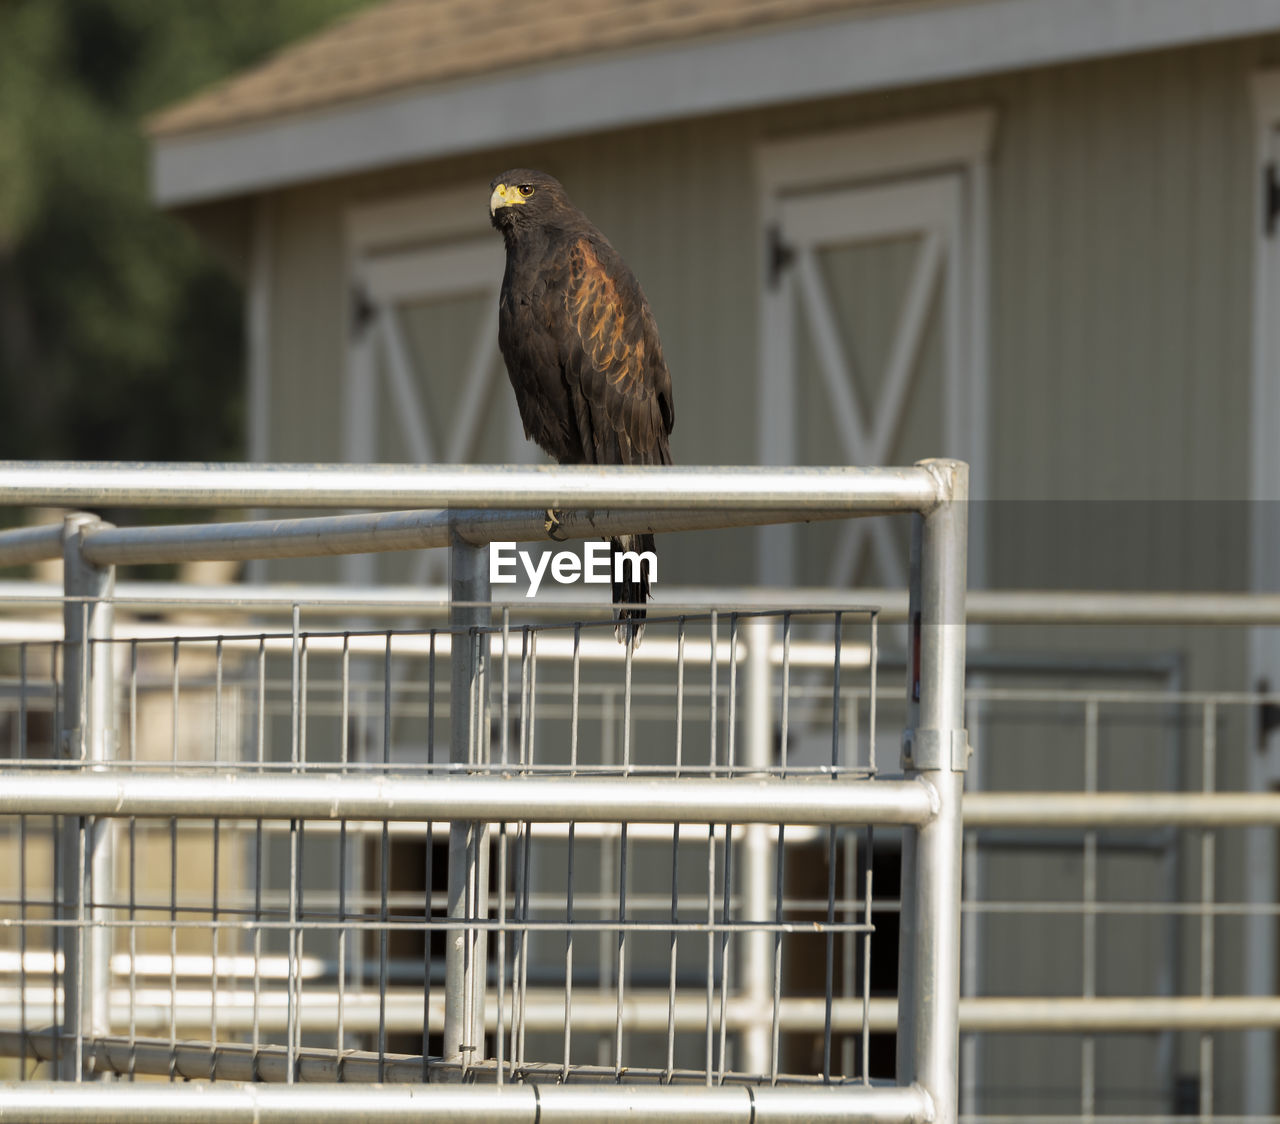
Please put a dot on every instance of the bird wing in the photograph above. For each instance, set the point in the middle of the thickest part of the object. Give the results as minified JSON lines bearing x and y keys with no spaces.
{"x":613,"y":360}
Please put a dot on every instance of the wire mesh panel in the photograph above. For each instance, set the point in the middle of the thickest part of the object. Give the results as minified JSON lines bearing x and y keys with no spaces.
{"x":1141,"y":902}
{"x":677,"y":951}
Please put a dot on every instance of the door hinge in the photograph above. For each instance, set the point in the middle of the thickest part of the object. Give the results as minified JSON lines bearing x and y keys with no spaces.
{"x":779,"y":255}
{"x":362,"y":310}
{"x":1270,"y":198}
{"x":1268,"y":715}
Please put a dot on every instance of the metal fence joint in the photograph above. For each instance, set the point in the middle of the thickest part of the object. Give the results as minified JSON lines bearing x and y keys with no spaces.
{"x":936,"y":749}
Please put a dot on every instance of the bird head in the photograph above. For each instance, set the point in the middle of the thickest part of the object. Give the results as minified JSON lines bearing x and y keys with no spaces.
{"x":521,"y":198}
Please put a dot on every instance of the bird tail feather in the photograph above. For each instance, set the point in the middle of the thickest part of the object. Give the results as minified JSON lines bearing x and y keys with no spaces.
{"x":631,"y":574}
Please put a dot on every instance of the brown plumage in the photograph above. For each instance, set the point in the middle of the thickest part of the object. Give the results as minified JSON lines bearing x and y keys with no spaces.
{"x":581,"y":348}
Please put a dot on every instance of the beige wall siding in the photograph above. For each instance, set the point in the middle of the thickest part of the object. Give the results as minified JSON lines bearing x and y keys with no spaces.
{"x":308,"y":325}
{"x":1121,"y":197}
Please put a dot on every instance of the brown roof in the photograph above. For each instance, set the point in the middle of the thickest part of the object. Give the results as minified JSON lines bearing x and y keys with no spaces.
{"x":401,"y":43}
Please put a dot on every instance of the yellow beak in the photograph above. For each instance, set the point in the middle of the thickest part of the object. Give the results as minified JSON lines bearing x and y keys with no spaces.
{"x":504,"y":195}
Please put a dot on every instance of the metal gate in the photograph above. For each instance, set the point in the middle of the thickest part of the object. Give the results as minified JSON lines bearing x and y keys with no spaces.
{"x":236,"y":807}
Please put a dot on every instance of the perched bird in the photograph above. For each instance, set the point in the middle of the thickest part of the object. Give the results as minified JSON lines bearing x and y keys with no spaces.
{"x":581,"y":349}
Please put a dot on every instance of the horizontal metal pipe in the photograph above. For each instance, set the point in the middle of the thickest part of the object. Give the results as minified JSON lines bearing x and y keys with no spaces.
{"x":269,"y":538}
{"x":1008,"y":606}
{"x":117,"y":484}
{"x":396,"y":530}
{"x":983,"y":606}
{"x":495,"y":799}
{"x":39,"y":1102}
{"x":30,"y":544}
{"x":553,"y":645}
{"x":598,"y":800}
{"x":1119,"y":1014}
{"x":647,"y":1011}
{"x":644,"y":1010}
{"x":416,"y":830}
{"x":1121,"y":809}
{"x":234,"y":597}
{"x":150,"y":1010}
{"x":589,"y":1104}
{"x":1121,"y":607}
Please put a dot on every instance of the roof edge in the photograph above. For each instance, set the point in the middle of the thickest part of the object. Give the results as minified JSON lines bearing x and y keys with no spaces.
{"x":859,"y":53}
{"x":154,"y":124}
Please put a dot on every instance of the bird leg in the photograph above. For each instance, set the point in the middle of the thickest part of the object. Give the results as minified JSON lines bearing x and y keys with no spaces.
{"x":553,"y":526}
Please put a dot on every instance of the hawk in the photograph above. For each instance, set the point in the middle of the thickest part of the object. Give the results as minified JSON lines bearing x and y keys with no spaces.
{"x":581,"y":349}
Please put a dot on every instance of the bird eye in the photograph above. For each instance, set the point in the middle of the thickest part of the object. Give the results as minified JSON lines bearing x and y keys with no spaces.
{"x":526,"y":190}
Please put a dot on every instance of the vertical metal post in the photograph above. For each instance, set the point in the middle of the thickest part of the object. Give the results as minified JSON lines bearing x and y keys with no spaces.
{"x":1208,"y":893}
{"x":1089,"y":918}
{"x":938,"y":752}
{"x":468,"y":842}
{"x":971,"y":927}
{"x":87,"y":735}
{"x":756,"y":961}
{"x":907,"y":937}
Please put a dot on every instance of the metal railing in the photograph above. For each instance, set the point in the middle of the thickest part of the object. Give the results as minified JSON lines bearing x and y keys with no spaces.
{"x":1174,"y":1037}
{"x":500,"y":797}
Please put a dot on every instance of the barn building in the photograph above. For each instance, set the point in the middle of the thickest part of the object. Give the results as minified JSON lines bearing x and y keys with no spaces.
{"x":1039,"y":236}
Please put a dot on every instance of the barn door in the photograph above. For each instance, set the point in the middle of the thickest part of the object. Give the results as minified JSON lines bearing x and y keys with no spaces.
{"x":873,"y":349}
{"x":866,"y":282}
{"x":873,"y":326}
{"x":426,"y":381}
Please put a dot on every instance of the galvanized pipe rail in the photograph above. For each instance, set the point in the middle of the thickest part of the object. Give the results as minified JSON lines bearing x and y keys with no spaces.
{"x":493,"y":799}
{"x":712,"y":502}
{"x":390,"y":531}
{"x":982,"y":606}
{"x":21,"y":545}
{"x":596,"y":1013}
{"x":1122,"y":809}
{"x":730,"y":491}
{"x":37,"y":1102}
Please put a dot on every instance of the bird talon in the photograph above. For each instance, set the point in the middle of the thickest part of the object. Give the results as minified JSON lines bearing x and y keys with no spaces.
{"x":553,"y":526}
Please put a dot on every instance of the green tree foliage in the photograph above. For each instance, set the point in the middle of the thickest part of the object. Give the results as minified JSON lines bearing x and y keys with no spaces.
{"x":120,"y":335}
